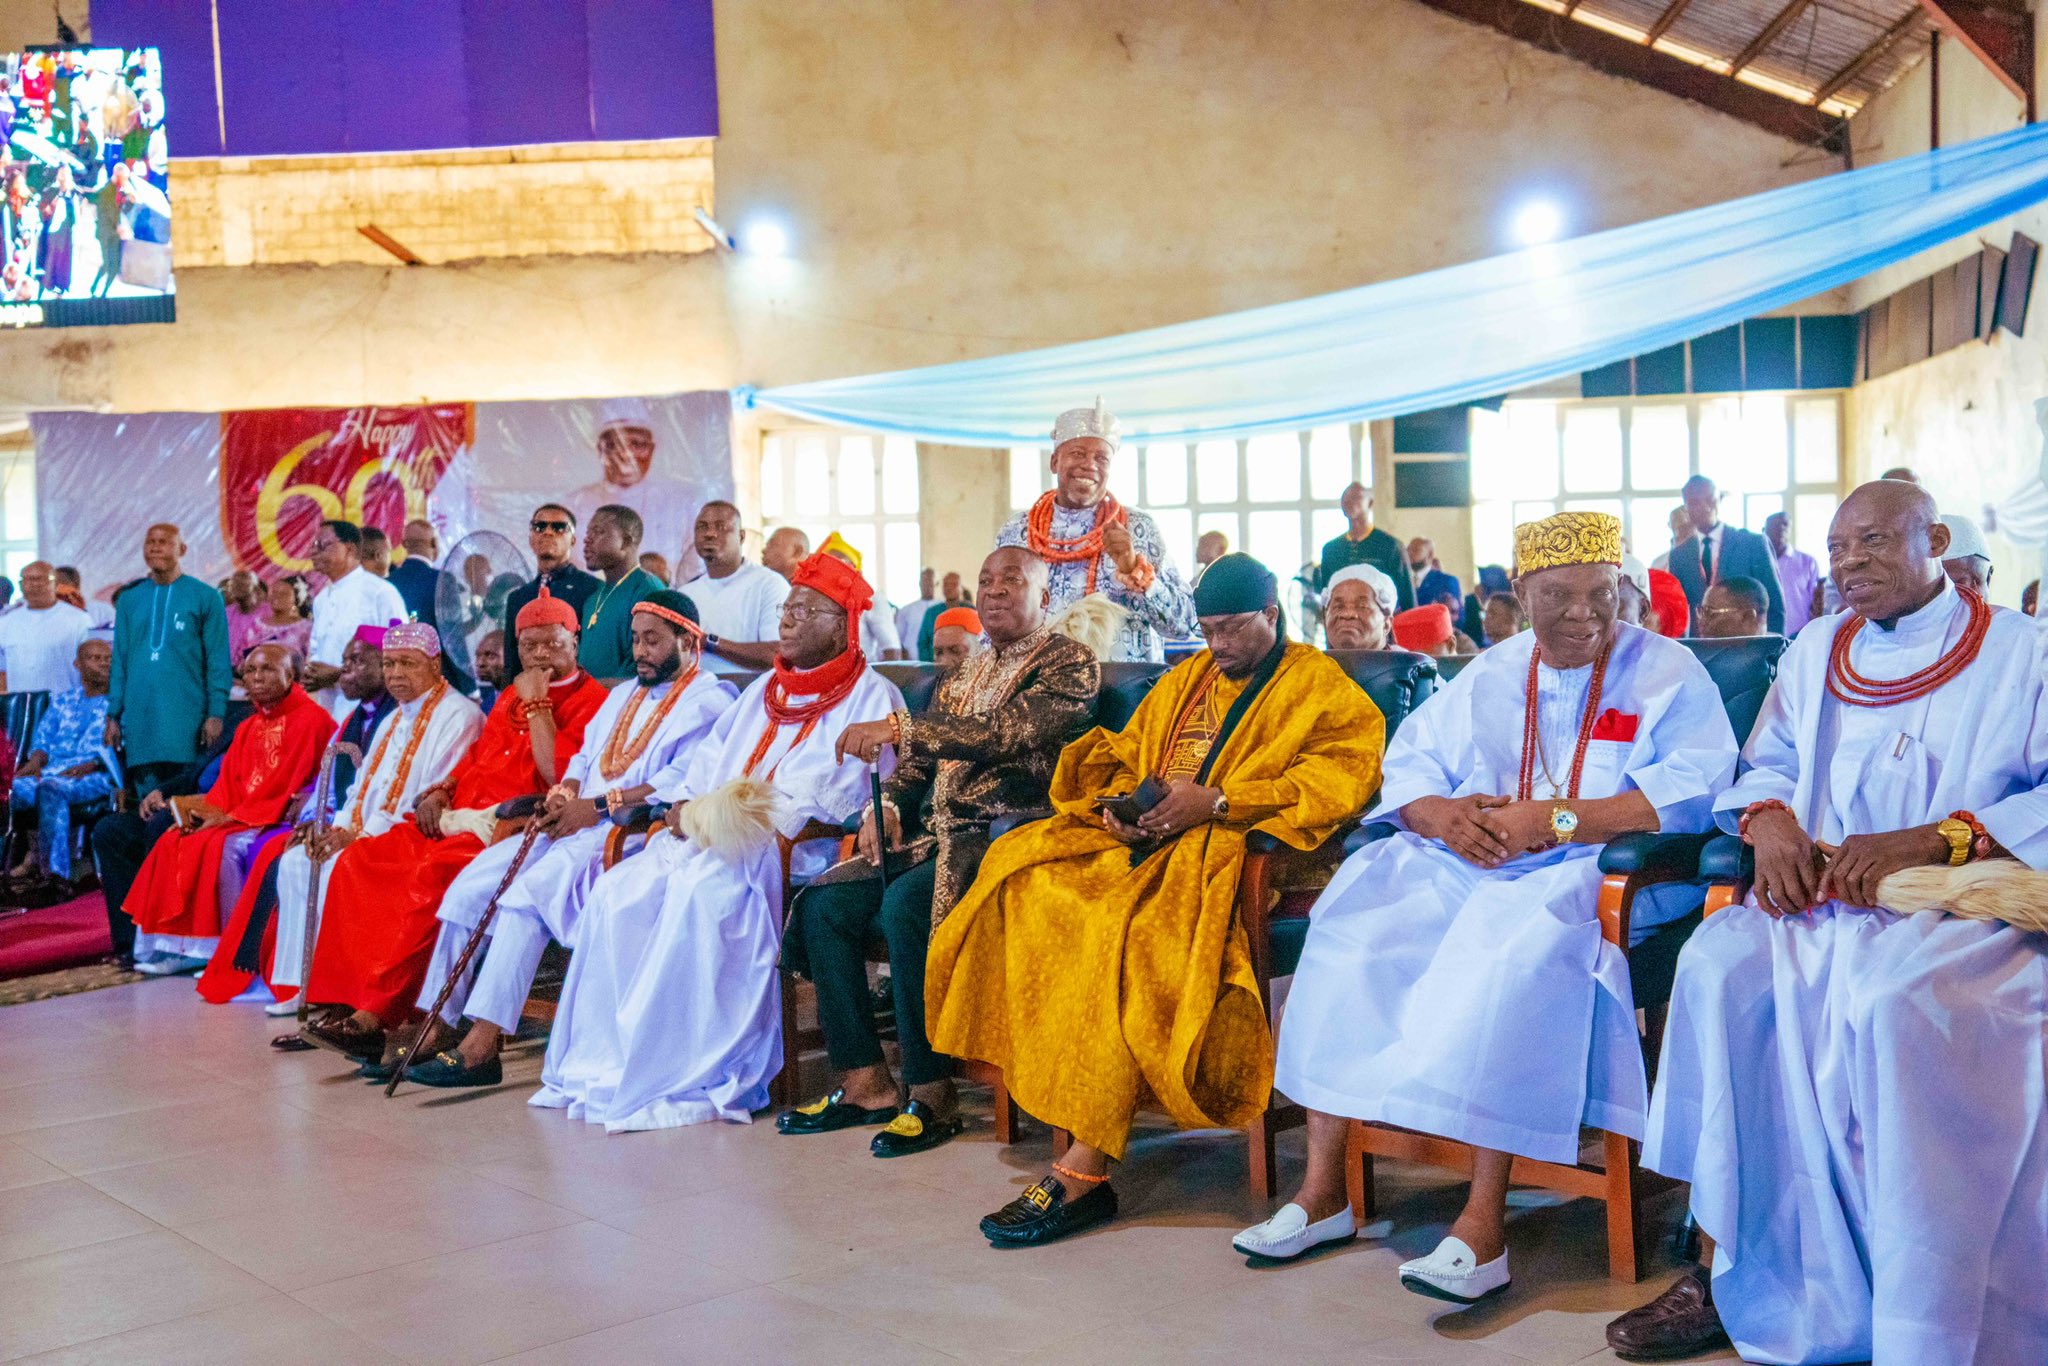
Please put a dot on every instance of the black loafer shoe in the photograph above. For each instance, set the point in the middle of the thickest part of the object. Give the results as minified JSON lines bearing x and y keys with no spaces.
{"x":448,"y":1070}
{"x":831,"y":1113}
{"x":914,"y":1131}
{"x":1045,"y":1213}
{"x":1681,"y":1322}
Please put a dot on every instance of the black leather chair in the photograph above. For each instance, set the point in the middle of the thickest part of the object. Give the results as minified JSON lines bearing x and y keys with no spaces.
{"x":1742,"y":670}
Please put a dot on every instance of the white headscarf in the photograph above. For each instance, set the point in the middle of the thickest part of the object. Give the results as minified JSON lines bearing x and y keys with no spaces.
{"x":1374,"y":578}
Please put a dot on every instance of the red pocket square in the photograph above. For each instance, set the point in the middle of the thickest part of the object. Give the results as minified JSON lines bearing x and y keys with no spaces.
{"x":1614,"y":725}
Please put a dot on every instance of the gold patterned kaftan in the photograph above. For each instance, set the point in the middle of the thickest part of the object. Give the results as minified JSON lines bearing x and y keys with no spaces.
{"x":1093,"y":983}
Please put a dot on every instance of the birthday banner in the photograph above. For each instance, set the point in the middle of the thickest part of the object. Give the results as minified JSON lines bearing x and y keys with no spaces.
{"x":250,"y":489}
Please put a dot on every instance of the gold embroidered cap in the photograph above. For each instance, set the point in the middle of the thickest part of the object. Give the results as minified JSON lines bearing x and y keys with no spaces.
{"x":1568,"y":538}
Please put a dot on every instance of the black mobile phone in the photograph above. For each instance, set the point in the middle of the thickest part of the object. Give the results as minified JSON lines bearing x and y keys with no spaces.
{"x":1129,"y":807}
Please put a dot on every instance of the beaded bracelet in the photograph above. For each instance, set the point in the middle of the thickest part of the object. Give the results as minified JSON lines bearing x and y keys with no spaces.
{"x":1754,"y":808}
{"x":1139,"y":580}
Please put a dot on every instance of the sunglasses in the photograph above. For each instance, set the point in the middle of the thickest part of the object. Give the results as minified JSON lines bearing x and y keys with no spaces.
{"x":539,"y":525}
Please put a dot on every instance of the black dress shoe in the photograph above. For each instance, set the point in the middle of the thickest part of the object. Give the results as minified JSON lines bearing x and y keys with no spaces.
{"x":1681,"y":1322}
{"x":364,"y":1045}
{"x":1046,"y":1213}
{"x":448,"y":1070}
{"x":830,"y":1113}
{"x":914,"y":1131}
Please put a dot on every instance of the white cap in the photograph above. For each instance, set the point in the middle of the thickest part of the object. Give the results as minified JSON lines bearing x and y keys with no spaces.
{"x":1374,"y":578}
{"x":1078,"y":422}
{"x":1964,"y":539}
{"x":624,"y":412}
{"x":1637,"y":573}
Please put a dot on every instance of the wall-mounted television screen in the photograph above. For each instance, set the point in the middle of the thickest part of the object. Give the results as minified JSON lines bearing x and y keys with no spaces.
{"x":85,"y":208}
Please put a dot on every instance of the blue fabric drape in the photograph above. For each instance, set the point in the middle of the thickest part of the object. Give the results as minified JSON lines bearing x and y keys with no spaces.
{"x":1465,"y":332}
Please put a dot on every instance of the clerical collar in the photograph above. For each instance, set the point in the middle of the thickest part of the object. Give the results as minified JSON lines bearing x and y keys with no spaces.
{"x":1932,"y":619}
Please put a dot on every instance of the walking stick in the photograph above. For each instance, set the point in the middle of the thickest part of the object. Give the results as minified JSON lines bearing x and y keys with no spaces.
{"x":476,"y":937}
{"x":316,"y":853}
{"x":881,"y":826}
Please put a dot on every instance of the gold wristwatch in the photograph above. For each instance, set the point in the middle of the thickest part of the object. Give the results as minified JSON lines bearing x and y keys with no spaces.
{"x":1959,"y":836}
{"x":1564,"y":822}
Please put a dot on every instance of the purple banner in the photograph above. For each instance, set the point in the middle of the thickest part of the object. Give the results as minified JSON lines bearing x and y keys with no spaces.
{"x":417,"y":75}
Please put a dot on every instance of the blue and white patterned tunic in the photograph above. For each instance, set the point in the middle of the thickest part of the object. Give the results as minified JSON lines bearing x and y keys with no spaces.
{"x":1165,"y":609}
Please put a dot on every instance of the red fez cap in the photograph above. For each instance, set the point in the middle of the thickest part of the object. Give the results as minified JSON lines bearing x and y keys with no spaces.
{"x":1424,"y":628}
{"x":547,"y":610}
{"x":842,"y":583}
{"x":966,"y":618}
{"x":1667,"y":599}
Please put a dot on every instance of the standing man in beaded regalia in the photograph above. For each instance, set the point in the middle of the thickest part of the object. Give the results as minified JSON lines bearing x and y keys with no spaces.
{"x":1094,"y":544}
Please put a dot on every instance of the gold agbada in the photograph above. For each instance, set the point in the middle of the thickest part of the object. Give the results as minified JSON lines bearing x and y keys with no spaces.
{"x":1093,"y":984}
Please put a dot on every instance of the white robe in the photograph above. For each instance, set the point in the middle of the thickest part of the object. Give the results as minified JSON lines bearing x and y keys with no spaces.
{"x":455,"y":725}
{"x":671,"y":1014}
{"x":546,"y":900}
{"x":1856,"y":1096}
{"x":1483,"y":1005}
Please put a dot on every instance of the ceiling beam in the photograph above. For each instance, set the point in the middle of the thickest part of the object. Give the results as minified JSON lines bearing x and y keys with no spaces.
{"x":1868,"y":57}
{"x":1772,"y":32}
{"x":1665,"y":20}
{"x":1634,"y":61}
{"x":2002,"y":39}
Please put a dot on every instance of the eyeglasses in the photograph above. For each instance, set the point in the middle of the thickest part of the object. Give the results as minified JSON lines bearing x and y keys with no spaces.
{"x":538,"y":524}
{"x":801,"y":612}
{"x":1223,"y":627}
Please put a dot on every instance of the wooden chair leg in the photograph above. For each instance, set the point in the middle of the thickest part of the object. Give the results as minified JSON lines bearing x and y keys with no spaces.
{"x":783,"y":1090}
{"x":1006,"y":1112}
{"x":1358,"y":1174}
{"x":1265,"y":1175}
{"x":1620,"y":1161}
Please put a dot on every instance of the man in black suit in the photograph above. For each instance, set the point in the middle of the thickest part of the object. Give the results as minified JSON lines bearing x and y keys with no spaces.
{"x":1720,"y":552}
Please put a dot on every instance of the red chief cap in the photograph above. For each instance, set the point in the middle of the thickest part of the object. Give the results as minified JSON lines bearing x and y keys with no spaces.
{"x":966,"y":618}
{"x":842,"y":583}
{"x":547,"y":610}
{"x":1422,"y":629}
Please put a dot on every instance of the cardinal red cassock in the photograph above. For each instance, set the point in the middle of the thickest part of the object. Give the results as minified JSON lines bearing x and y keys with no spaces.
{"x":377,"y":922}
{"x":273,"y":753}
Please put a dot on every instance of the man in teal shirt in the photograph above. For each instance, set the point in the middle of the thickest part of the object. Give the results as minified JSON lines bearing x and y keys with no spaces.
{"x":611,"y":546}
{"x":169,"y":694}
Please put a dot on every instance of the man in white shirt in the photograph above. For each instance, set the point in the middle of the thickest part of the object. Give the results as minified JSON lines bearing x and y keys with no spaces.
{"x":739,"y":603}
{"x":910,"y":620}
{"x":353,"y":598}
{"x":39,"y":644}
{"x":102,"y":613}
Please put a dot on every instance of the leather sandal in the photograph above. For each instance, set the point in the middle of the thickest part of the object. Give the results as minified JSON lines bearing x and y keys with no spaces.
{"x":1681,"y":1322}
{"x":916,"y":1130}
{"x":1045,"y":1213}
{"x":831,"y":1113}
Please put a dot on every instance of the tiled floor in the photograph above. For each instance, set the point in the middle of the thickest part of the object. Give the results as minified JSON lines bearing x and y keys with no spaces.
{"x":170,"y":1191}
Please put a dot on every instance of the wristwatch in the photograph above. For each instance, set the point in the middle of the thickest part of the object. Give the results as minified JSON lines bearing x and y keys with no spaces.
{"x":1564,"y":823}
{"x":1959,"y":836}
{"x":1220,"y":811}
{"x":710,"y":641}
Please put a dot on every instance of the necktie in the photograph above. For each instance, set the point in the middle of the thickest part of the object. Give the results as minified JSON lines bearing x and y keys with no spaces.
{"x":1707,"y":557}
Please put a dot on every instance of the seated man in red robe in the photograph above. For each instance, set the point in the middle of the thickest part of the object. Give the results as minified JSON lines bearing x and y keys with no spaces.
{"x":378,"y":925}
{"x":188,"y":885}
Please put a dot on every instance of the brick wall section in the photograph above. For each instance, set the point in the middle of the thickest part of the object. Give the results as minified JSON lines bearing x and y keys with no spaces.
{"x":569,"y":200}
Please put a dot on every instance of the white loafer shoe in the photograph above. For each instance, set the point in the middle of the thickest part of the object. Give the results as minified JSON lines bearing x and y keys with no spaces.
{"x":1453,"y":1273}
{"x":1289,"y":1234}
{"x":277,"y":1010}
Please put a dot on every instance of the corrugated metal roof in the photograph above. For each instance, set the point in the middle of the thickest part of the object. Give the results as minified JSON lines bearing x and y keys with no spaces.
{"x":1823,"y":40}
